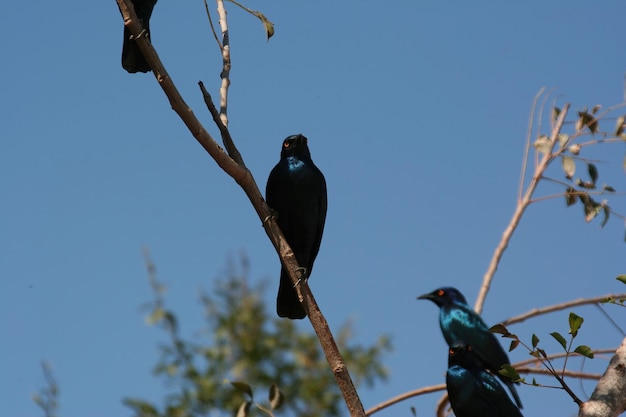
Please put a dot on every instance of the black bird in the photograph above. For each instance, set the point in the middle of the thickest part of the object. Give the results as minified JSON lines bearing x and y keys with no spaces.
{"x":461,"y":324}
{"x":296,"y":191}
{"x":472,"y":391}
{"x":132,"y":58}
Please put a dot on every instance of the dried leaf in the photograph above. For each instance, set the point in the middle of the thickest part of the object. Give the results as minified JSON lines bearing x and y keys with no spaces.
{"x":569,"y":166}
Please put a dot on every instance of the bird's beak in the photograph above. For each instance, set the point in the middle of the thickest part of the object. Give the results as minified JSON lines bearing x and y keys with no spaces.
{"x":428,"y":296}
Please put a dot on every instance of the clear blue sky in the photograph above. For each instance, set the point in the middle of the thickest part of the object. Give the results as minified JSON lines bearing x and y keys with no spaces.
{"x":415,"y":111}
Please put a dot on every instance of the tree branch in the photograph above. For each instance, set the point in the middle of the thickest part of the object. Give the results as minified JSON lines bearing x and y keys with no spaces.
{"x":608,"y":399}
{"x":522,"y":205}
{"x":225,"y":74}
{"x":405,"y":396}
{"x":562,"y":306}
{"x":244,"y":178}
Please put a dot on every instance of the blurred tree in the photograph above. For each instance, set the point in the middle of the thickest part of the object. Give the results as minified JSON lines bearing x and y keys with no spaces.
{"x":245,"y":343}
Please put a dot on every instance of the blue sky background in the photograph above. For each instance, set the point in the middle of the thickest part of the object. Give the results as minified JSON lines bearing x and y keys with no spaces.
{"x":415,"y":111}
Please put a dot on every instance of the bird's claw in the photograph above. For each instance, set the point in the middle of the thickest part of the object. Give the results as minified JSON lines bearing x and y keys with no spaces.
{"x":302,"y":271}
{"x":141,"y":34}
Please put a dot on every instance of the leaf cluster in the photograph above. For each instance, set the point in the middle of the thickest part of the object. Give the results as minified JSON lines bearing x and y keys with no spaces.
{"x":575,"y":323}
{"x":241,"y":342}
{"x":569,"y":148}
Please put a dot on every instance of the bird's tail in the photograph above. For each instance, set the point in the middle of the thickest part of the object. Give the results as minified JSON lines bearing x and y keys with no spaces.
{"x":287,"y":303}
{"x":132,"y":58}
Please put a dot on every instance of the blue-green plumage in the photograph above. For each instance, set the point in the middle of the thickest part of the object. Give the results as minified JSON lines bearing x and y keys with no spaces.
{"x":296,"y":190}
{"x":472,"y":391}
{"x":461,"y":324}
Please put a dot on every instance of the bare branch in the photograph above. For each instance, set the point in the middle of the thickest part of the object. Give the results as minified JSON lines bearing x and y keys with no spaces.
{"x":208,"y":15}
{"x":244,"y":178}
{"x":405,"y":396}
{"x":522,"y":205}
{"x":225,"y":74}
{"x":225,"y":133}
{"x":562,"y":306}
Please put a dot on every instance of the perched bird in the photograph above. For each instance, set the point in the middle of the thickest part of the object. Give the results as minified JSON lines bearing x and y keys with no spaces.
{"x":132,"y":58}
{"x":461,"y":324}
{"x":296,"y":191}
{"x":472,"y":391}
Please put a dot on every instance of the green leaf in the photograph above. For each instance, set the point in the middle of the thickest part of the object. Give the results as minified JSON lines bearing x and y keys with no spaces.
{"x":575,"y":321}
{"x":593,"y":172}
{"x":243,"y":409}
{"x":584,"y":350}
{"x":514,"y":344}
{"x":535,"y":340}
{"x":570,"y":196}
{"x":542,"y":353}
{"x":535,"y":382}
{"x":276,"y":397}
{"x":563,"y":139}
{"x":596,"y":108}
{"x":569,"y":166}
{"x":543,"y":144}
{"x":413,"y":411}
{"x":621,"y":278}
{"x":243,"y":387}
{"x":559,"y":339}
{"x":555,"y":113}
{"x":500,"y":329}
{"x":509,"y":372}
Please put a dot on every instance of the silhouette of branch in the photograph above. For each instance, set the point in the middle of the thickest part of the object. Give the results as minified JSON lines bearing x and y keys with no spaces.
{"x":246,"y":181}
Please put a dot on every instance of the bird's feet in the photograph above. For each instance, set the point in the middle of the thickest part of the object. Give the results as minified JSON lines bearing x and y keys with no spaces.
{"x":303,"y":276}
{"x":141,"y":34}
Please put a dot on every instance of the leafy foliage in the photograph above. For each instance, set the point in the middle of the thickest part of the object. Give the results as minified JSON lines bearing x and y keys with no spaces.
{"x":575,"y":323}
{"x":244,"y":343}
{"x":571,"y":148}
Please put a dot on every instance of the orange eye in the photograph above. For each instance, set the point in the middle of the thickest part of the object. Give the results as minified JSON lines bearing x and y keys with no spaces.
{"x":286,"y":144}
{"x":440,"y":293}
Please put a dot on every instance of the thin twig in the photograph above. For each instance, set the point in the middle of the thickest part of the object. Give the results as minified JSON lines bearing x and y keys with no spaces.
{"x":405,"y":396}
{"x":522,"y":176}
{"x":246,"y":181}
{"x":517,"y":215}
{"x":562,"y":306}
{"x":208,"y":15}
{"x":232,"y":150}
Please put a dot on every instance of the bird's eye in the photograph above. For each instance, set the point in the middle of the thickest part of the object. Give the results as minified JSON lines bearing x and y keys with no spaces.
{"x":440,"y":293}
{"x":286,"y":144}
{"x":451,"y":351}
